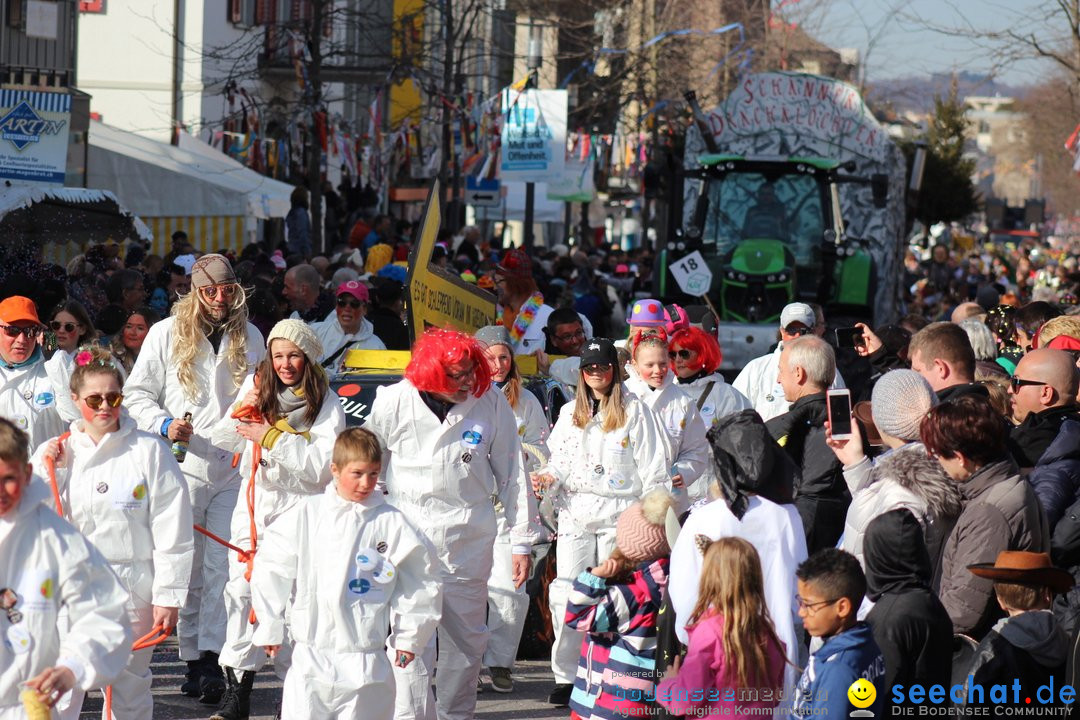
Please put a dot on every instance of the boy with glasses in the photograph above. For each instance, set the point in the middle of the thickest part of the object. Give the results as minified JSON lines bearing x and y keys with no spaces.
{"x":831,"y":586}
{"x":27,"y":389}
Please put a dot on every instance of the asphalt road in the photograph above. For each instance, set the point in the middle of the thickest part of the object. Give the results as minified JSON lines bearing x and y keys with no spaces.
{"x":532,"y":682}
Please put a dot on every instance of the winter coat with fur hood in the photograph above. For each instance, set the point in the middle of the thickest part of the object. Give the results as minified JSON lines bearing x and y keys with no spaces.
{"x":902,"y":478}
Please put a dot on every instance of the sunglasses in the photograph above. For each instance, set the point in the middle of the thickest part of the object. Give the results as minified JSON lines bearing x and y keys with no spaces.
{"x":226,"y":291}
{"x":684,"y":354}
{"x":66,"y":327}
{"x":13,"y":332}
{"x":1018,"y":383}
{"x":596,"y":368}
{"x":345,"y":301}
{"x":112,"y":399}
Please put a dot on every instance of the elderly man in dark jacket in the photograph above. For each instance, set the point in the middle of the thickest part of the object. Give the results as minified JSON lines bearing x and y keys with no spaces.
{"x":910,"y":624}
{"x":807,"y":369}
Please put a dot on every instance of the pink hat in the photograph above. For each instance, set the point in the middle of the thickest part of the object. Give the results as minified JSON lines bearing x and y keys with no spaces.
{"x":677,"y":319}
{"x":622,"y":268}
{"x":355,"y":288}
{"x":648,"y":313}
{"x":641,"y":531}
{"x":279,"y":260}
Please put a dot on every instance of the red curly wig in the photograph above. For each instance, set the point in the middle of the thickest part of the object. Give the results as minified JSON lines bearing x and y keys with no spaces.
{"x":439,"y":348}
{"x":698,"y":341}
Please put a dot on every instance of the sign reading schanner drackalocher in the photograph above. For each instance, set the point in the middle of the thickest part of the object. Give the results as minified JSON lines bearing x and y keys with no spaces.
{"x":34,"y":136}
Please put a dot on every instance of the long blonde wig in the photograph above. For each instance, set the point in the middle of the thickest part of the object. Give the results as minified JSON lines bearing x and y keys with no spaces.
{"x":612,"y":405}
{"x":192,"y":323}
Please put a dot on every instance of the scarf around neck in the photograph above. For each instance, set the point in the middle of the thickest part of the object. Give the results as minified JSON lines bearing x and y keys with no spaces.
{"x":292,"y":406}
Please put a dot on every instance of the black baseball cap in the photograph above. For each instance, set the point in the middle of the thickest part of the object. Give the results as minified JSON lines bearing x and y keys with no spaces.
{"x":599,"y":351}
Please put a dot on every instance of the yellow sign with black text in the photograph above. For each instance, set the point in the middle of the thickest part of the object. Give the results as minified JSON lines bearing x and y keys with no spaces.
{"x":437,"y":297}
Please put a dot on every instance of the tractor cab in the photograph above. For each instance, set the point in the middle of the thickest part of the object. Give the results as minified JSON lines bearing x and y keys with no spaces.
{"x":769,"y":226}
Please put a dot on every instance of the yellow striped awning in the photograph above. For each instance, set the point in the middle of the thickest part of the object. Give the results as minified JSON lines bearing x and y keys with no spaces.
{"x":206,"y":234}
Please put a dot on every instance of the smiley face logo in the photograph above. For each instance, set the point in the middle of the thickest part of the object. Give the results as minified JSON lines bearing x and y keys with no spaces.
{"x":862,"y":693}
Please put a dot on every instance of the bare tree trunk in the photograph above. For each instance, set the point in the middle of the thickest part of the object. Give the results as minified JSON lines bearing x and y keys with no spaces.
{"x":314,"y":170}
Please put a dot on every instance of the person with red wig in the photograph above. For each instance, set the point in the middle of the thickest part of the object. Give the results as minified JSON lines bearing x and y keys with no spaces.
{"x":695,"y":358}
{"x":450,"y":448}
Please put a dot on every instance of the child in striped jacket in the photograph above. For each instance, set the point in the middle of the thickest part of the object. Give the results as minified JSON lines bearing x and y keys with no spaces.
{"x":616,"y":604}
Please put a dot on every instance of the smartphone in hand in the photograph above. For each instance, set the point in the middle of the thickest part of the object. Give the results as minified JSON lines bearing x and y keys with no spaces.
{"x":851,"y":337}
{"x":839,"y":406}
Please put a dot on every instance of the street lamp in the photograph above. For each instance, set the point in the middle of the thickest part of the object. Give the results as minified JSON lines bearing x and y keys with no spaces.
{"x":533,"y":60}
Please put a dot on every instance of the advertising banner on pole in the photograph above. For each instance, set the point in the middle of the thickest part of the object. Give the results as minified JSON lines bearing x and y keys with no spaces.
{"x":34,"y":136}
{"x":533,"y":135}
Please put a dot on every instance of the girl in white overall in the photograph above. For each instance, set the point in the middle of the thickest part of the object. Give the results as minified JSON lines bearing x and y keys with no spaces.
{"x":122,"y":488}
{"x":606,"y":452}
{"x":284,"y":424}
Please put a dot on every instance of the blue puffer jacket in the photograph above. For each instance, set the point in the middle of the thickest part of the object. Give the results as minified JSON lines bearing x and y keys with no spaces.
{"x":1056,"y":478}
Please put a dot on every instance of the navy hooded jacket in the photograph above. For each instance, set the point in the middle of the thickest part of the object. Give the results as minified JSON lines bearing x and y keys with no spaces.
{"x":843,"y":659}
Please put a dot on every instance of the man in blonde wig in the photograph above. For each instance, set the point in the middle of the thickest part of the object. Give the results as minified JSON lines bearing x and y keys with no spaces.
{"x":194,"y":362}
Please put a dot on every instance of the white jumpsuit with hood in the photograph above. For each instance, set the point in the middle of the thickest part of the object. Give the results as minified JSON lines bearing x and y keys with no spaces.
{"x":715,"y":400}
{"x":128,"y":497}
{"x":292,"y":469}
{"x":153,"y":394}
{"x":597,"y":475}
{"x":28,"y":398}
{"x":53,"y":569}
{"x":683,"y":433}
{"x":776,"y":533}
{"x":445,"y":477}
{"x":508,"y":605}
{"x":357,"y":569}
{"x":759,"y":384}
{"x":333,"y":338}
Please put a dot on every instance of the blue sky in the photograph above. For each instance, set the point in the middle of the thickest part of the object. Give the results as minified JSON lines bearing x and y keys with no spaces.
{"x":900,"y":45}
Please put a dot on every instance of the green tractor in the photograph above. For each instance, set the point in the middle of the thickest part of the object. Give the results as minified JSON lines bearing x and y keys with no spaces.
{"x":769,"y":228}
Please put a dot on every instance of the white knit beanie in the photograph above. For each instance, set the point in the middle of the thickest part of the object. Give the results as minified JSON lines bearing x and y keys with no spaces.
{"x":900,"y":400}
{"x":300,"y":334}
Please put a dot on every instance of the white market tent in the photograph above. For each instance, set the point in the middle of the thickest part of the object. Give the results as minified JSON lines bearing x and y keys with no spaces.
{"x":62,"y":215}
{"x":214,"y":199}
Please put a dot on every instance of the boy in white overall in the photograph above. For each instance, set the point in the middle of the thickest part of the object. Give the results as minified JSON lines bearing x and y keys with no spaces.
{"x":358,"y":568}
